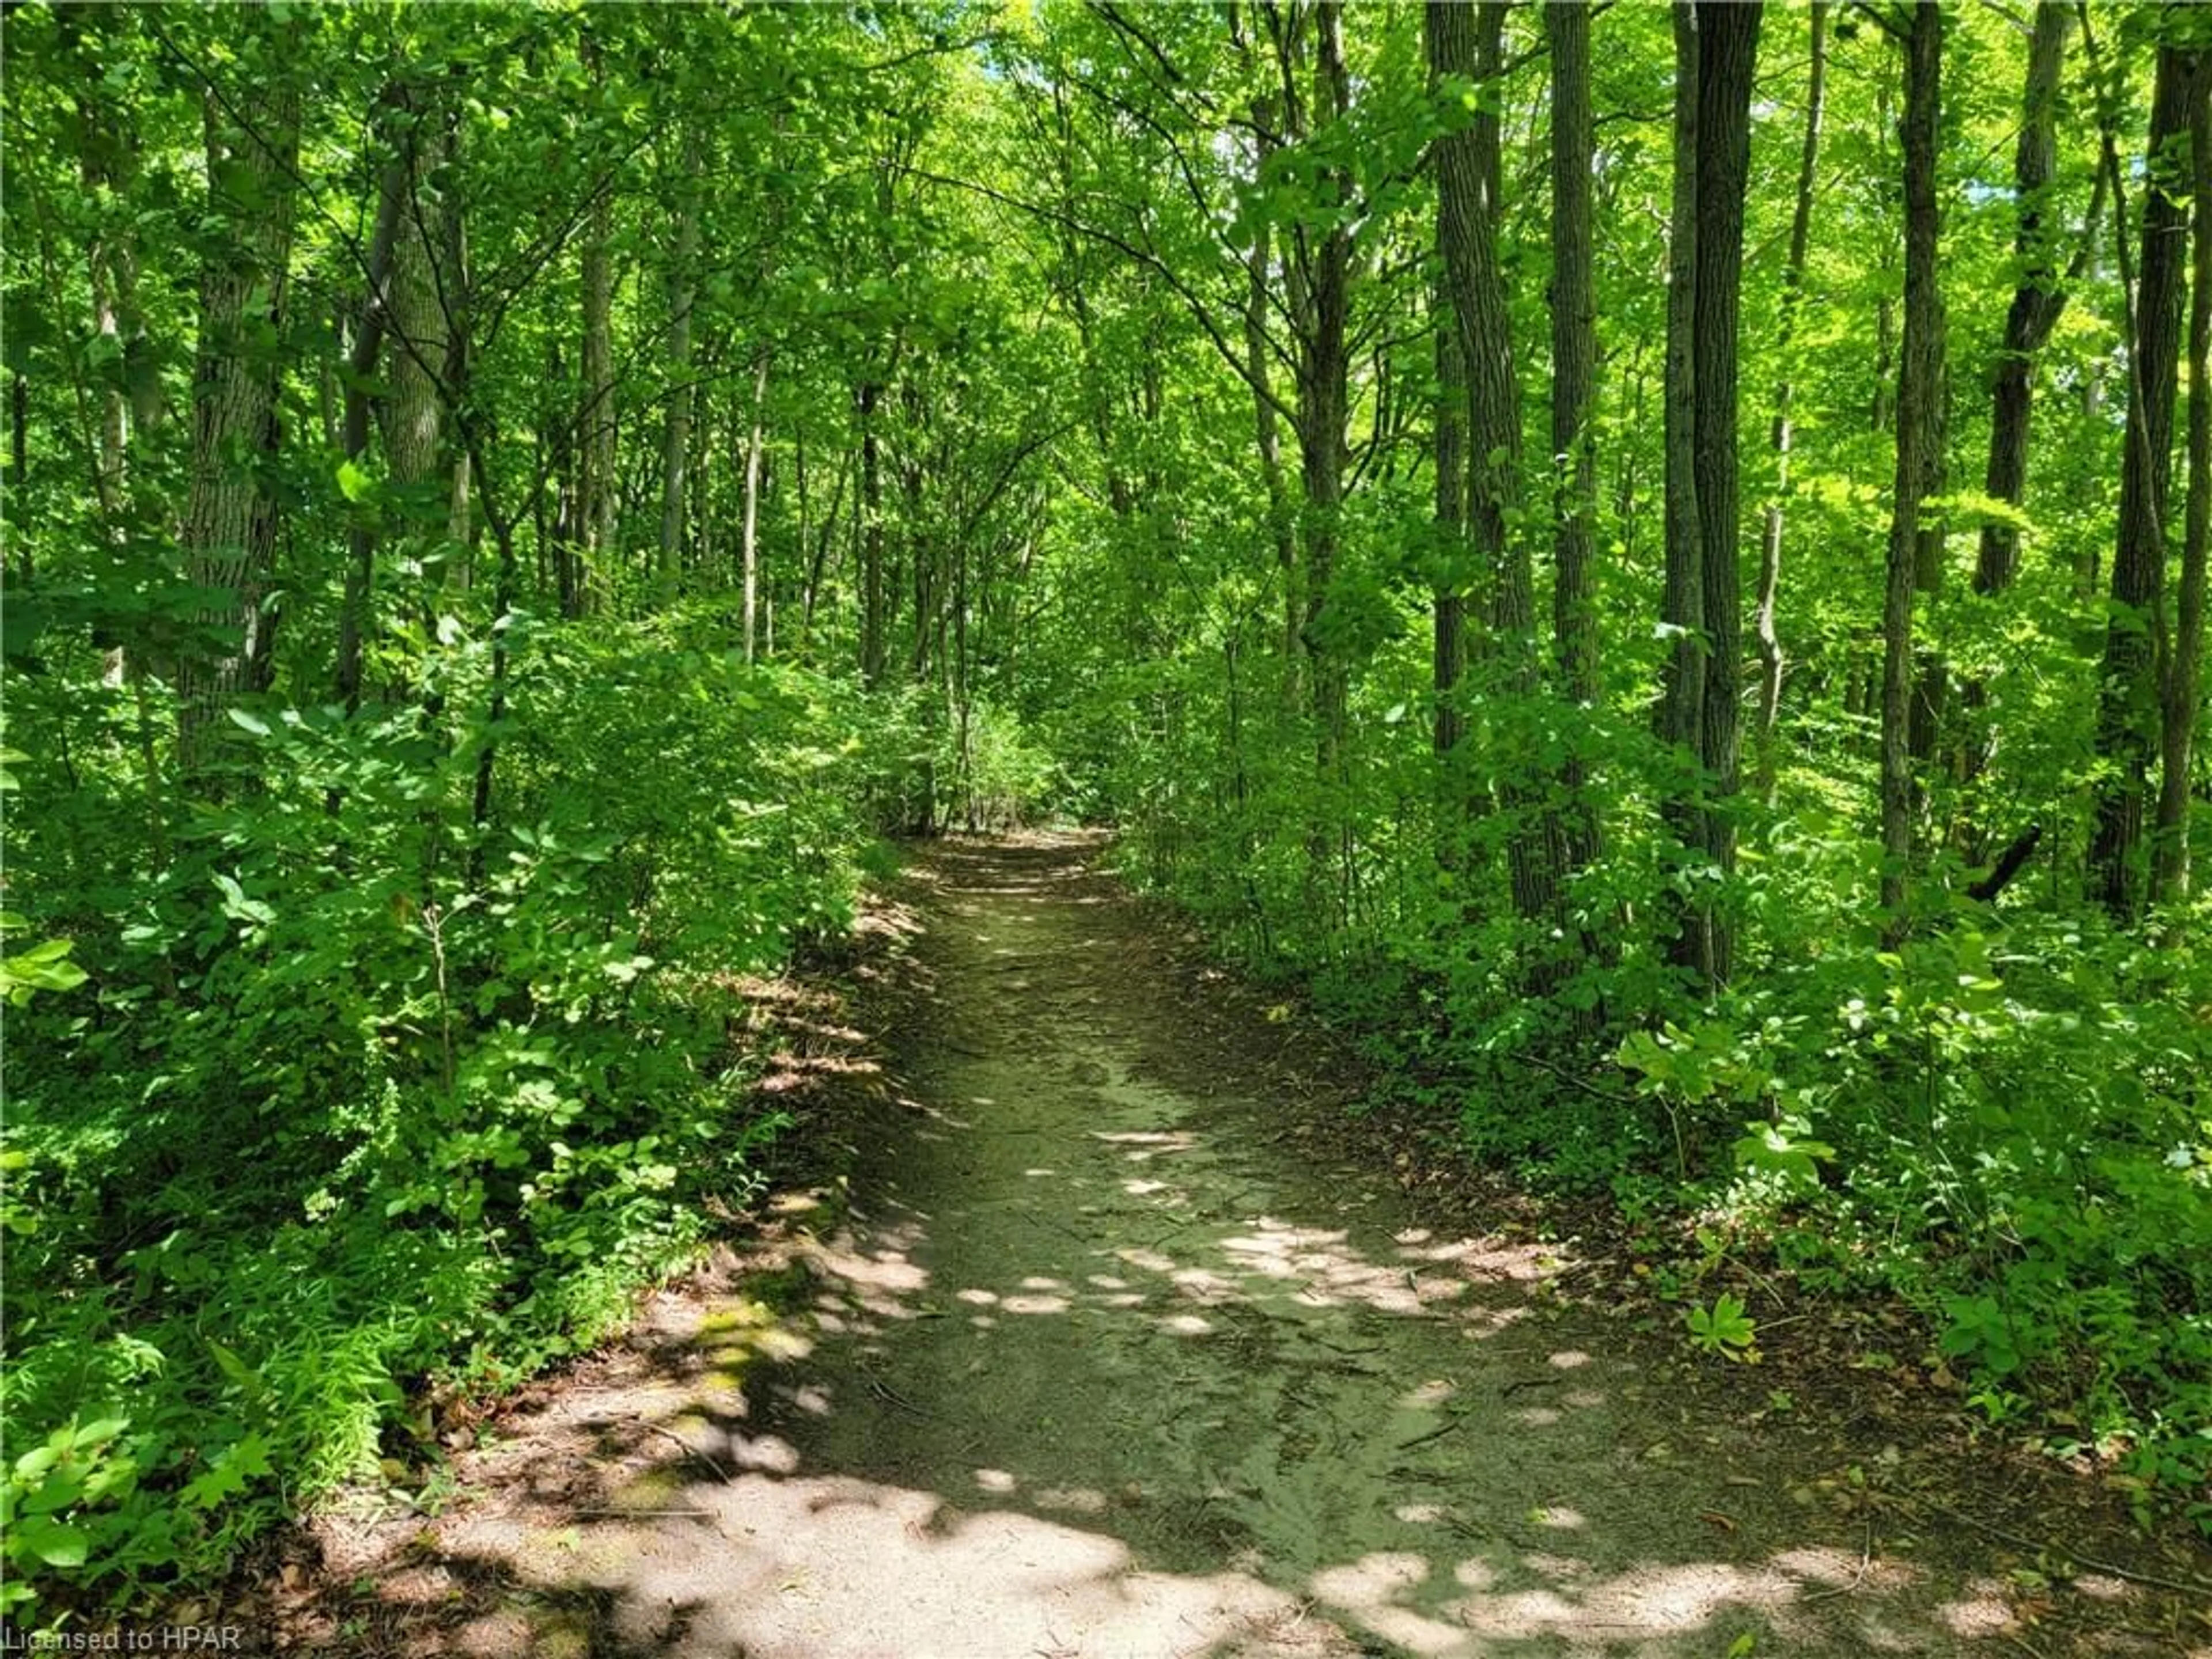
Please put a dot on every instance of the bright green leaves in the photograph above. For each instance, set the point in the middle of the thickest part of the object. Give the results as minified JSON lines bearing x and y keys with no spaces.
{"x":45,"y":967}
{"x":1724,"y":1328}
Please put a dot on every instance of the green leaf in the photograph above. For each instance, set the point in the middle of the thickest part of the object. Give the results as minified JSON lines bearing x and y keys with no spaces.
{"x":54,"y":1542}
{"x":355,"y":485}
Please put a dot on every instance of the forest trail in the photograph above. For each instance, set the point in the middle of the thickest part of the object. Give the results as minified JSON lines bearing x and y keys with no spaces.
{"x":1090,"y":1363}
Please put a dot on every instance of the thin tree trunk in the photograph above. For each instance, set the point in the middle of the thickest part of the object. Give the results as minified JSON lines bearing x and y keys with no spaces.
{"x":1919,"y":416}
{"x":2170,"y":871}
{"x":866,"y":399}
{"x":749,"y":544}
{"x":1770,"y":657}
{"x":676,"y":441}
{"x":1574,"y":402}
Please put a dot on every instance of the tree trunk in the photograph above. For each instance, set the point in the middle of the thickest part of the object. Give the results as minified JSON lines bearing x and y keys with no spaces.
{"x":1770,"y":657}
{"x":1727,"y":51}
{"x":1449,"y":656}
{"x":368,"y":347}
{"x":2128,"y":706}
{"x":749,"y":554}
{"x":676,"y":439}
{"x":2036,"y":302}
{"x":1324,"y":399}
{"x":596,"y":488}
{"x":1919,"y":427}
{"x":1467,"y":42}
{"x":230,"y":526}
{"x":1574,"y":401}
{"x":866,"y":399}
{"x":2182,"y":697}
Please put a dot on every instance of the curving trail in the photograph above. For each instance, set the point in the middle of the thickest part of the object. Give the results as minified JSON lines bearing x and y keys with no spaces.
{"x":1090,"y":1363}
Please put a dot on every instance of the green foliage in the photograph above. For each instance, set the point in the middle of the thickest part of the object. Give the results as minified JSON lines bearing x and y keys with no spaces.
{"x":358,"y":1097}
{"x":1724,"y":1328}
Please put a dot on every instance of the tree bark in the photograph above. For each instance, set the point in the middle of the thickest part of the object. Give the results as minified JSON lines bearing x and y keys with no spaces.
{"x":2128,"y":706}
{"x":1466,"y":43}
{"x":1770,"y":657}
{"x":676,"y":437}
{"x":2037,"y":302}
{"x":2182,"y":692}
{"x":866,"y":399}
{"x":1919,"y":417}
{"x":1727,"y":51}
{"x":230,"y":524}
{"x":749,"y":542}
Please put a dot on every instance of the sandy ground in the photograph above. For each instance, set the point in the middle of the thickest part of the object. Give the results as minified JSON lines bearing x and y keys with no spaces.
{"x":1079,"y":1356}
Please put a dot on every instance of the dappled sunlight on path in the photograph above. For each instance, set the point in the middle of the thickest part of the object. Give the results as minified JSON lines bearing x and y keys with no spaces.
{"x":1088,"y":1366}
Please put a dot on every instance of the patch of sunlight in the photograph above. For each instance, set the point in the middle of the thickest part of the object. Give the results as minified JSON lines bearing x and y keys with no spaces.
{"x":1569,"y":1359}
{"x":1369,"y":1587}
{"x":1426,"y":1396}
{"x":996,"y":1480}
{"x":1152,"y":1260}
{"x":1537,"y":1417}
{"x":1039,"y":1282}
{"x":1035,"y":1304}
{"x":1560,"y":1516}
{"x":1187,"y":1325}
{"x":1107,"y":1282}
{"x":981,"y":1298}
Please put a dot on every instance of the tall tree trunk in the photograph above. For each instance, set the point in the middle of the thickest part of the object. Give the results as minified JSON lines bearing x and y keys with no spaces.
{"x":1466,"y":42}
{"x":1770,"y":658}
{"x":230,"y":525}
{"x":2128,"y":706}
{"x":362,"y":360}
{"x":1682,"y":599}
{"x":1324,"y":398}
{"x":1727,"y":50}
{"x":2037,"y":300}
{"x":866,"y":399}
{"x":1919,"y":428}
{"x":2183,"y":698}
{"x":597,"y":490}
{"x":1449,"y":653}
{"x":1574,"y":402}
{"x":676,"y":440}
{"x":749,"y":554}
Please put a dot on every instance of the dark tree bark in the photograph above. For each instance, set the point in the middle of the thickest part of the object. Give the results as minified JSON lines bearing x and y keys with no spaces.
{"x":2036,"y":302}
{"x":1714,"y":48}
{"x":1574,"y":401}
{"x":1919,"y":457}
{"x":1449,"y":649}
{"x":2182,"y":692}
{"x":1324,"y":402}
{"x":1467,"y":42}
{"x":2128,"y":706}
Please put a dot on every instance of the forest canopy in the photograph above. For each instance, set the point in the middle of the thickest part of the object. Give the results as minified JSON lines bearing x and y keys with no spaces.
{"x":1651,"y":561}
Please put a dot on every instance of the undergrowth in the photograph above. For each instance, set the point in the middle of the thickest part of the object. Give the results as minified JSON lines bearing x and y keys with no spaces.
{"x":349,"y":1100}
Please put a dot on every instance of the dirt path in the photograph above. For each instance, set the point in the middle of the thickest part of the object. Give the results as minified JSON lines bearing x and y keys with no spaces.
{"x":1091,"y":1364}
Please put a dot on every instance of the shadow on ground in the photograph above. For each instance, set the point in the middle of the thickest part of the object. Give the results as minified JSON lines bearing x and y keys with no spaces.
{"x":1083,"y":1362}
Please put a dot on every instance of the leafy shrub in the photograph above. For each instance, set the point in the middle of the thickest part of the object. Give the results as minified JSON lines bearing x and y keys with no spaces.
{"x":360,"y":1095}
